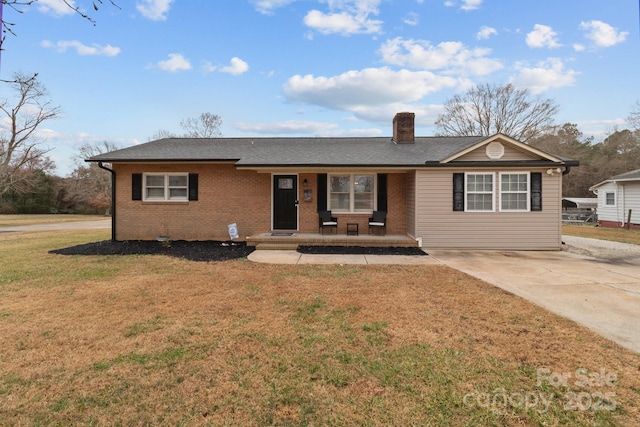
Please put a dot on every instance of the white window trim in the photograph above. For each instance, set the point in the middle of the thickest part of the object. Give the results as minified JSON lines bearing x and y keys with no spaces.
{"x":615,"y":199}
{"x":352,"y":193}
{"x":166,"y":187}
{"x":493,"y":192}
{"x":500,"y":192}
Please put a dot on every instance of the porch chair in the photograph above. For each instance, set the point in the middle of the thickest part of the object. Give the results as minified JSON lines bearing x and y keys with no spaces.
{"x":378,"y":221}
{"x":327,"y":221}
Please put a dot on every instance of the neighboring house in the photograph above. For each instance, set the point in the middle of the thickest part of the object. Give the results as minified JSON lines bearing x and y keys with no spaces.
{"x":619,"y":200}
{"x":450,"y":192}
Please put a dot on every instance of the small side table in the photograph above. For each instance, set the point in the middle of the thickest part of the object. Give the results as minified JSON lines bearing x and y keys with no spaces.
{"x":352,"y":229}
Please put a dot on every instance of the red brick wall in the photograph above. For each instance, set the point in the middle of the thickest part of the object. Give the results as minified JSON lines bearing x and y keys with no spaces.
{"x":396,"y":202}
{"x":227,"y":195}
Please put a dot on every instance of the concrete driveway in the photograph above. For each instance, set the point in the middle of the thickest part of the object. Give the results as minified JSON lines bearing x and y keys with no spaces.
{"x":591,"y":282}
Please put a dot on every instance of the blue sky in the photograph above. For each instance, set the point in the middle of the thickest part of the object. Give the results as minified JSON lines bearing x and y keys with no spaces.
{"x":315,"y":67}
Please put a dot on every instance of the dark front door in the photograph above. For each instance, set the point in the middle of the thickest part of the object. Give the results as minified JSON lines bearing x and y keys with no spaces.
{"x":285,"y":202}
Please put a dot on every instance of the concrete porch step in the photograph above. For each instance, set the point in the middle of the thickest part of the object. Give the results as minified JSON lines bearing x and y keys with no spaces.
{"x":277,"y":246}
{"x":269,"y":241}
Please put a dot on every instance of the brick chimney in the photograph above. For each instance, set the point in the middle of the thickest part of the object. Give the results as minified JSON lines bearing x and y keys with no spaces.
{"x":403,"y":128}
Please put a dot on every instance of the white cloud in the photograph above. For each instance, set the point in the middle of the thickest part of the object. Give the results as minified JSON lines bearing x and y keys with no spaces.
{"x":155,"y":10}
{"x":176,"y":62}
{"x":603,"y":34}
{"x":542,"y":36}
{"x":486,"y":32}
{"x":82,"y":49}
{"x":549,"y":74}
{"x":267,"y":6}
{"x":412,"y":19}
{"x":368,"y":87}
{"x":346,"y":17}
{"x":237,"y":67}
{"x":466,"y":4}
{"x":471,"y":4}
{"x":452,"y":57}
{"x":56,"y":7}
{"x":341,"y":23}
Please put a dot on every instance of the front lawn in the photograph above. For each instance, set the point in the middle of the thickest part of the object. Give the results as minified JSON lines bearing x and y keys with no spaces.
{"x":150,"y":339}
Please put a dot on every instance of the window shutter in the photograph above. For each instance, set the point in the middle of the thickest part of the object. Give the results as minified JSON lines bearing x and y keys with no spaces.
{"x":193,"y":186}
{"x":322,"y":192}
{"x":382,"y":192}
{"x":536,"y":191}
{"x":458,"y":191}
{"x":136,"y":186}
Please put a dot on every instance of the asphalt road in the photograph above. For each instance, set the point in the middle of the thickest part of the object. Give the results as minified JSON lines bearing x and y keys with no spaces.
{"x":73,"y":225}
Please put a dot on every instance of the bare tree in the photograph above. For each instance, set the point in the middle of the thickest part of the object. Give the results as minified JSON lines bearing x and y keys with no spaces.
{"x":486,"y":110}
{"x":19,"y":146}
{"x":634,"y":116}
{"x":162,"y":133}
{"x":207,"y":125}
{"x":89,"y":185}
{"x":20,"y":5}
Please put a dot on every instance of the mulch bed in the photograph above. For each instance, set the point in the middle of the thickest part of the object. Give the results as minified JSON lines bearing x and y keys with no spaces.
{"x":192,"y":250}
{"x":213,"y":250}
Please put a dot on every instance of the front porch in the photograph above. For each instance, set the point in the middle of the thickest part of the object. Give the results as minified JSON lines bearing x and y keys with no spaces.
{"x":291,"y":241}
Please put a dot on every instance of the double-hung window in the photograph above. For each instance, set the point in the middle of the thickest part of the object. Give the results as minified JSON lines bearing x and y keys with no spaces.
{"x":479,"y":192}
{"x":166,"y":187}
{"x":514,"y":191}
{"x":610,"y":198}
{"x":351,"y":193}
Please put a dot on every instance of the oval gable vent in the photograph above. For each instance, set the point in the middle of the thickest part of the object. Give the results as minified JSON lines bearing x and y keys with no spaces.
{"x":495,"y":150}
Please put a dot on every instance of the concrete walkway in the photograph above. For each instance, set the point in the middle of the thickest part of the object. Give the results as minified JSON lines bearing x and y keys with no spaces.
{"x":594,"y":283}
{"x":293,"y":257}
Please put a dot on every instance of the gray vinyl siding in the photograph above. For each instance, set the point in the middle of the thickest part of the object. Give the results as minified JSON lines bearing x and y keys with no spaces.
{"x":440,"y":227}
{"x":411,"y":203}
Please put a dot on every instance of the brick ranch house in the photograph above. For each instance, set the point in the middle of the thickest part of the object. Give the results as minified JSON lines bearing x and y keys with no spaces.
{"x":447,"y":192}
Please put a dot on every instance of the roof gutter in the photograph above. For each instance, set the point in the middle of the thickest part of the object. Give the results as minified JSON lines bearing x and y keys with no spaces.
{"x":113,"y":199}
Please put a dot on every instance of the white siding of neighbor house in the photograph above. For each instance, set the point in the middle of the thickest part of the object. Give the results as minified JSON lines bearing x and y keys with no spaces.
{"x":441,"y":227}
{"x":627,"y":196}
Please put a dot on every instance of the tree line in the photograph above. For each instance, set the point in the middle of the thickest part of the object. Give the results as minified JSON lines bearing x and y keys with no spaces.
{"x":28,"y":184}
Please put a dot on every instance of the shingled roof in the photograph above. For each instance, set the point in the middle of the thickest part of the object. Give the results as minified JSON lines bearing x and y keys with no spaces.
{"x":627,"y":176}
{"x":633,"y":175}
{"x":257,"y":152}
